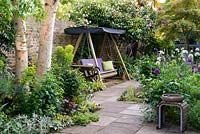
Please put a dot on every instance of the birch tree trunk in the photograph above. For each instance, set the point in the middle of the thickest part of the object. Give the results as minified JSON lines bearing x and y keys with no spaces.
{"x":46,"y":37}
{"x":21,"y":50}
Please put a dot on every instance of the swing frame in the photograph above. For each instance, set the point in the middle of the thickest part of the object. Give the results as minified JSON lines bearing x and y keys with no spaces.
{"x":87,"y":31}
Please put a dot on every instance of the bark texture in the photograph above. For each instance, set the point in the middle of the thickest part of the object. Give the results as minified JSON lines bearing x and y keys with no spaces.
{"x":46,"y":37}
{"x":21,"y":48}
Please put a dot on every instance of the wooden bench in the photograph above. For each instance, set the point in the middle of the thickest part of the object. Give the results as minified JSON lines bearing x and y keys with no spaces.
{"x":90,"y":70}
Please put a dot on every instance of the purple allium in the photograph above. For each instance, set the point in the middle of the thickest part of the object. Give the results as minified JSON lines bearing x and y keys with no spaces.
{"x":156,"y":71}
{"x":199,"y":68}
{"x":193,"y":69}
{"x":189,"y":60}
{"x":180,"y":75}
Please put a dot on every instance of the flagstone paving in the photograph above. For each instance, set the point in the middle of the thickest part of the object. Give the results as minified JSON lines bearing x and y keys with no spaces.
{"x":118,"y":117}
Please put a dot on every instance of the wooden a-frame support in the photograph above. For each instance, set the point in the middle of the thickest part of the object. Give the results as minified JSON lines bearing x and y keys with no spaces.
{"x":94,"y":54}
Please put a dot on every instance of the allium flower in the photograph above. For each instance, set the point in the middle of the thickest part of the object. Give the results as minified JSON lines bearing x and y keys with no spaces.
{"x":184,"y":51}
{"x":197,"y":54}
{"x":197,"y":49}
{"x":177,"y":50}
{"x":189,"y":60}
{"x":191,"y":51}
{"x":161,"y":52}
{"x":159,"y":58}
{"x":157,"y":62}
{"x":180,"y":75}
{"x":199,"y":68}
{"x":193,"y":69}
{"x":156,"y":71}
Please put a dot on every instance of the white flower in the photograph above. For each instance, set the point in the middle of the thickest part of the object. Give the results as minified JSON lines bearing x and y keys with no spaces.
{"x":159,"y":58}
{"x":177,"y":50}
{"x":182,"y":48}
{"x":157,"y":62}
{"x":190,"y":56}
{"x":184,"y":51}
{"x":197,"y":49}
{"x":161,"y":52}
{"x":191,"y":51}
{"x":197,"y":54}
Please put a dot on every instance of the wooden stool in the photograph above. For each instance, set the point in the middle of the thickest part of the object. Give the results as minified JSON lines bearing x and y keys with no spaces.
{"x":183,"y":113}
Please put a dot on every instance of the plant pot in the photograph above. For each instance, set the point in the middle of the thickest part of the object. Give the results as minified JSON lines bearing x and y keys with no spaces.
{"x":172,"y":97}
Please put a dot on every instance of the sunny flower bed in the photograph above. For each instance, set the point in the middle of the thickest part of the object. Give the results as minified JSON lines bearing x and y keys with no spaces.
{"x":177,"y":73}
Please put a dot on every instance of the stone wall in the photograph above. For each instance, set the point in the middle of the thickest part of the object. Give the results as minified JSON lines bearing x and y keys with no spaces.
{"x":33,"y":36}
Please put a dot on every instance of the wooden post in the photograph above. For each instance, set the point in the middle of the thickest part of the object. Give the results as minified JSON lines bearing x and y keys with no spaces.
{"x":103,"y":43}
{"x":93,"y":54}
{"x":78,"y":43}
{"x":120,"y":57}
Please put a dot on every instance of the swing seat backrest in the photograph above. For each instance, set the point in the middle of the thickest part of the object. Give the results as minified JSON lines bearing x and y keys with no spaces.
{"x":103,"y":73}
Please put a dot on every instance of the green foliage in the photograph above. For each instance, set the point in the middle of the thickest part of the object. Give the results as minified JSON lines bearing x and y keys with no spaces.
{"x":35,"y":124}
{"x":21,"y":9}
{"x":84,"y":118}
{"x":28,"y":76}
{"x":129,"y":95}
{"x":46,"y":98}
{"x":137,"y":21}
{"x":194,"y":115}
{"x":63,"y":56}
{"x":179,"y":20}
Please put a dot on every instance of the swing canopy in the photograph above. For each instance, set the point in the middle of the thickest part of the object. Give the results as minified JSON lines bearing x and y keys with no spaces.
{"x":93,"y":30}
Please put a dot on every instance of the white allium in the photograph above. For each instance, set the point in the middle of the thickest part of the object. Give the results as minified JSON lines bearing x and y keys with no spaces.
{"x":191,"y":51}
{"x":161,"y":52}
{"x":197,"y":49}
{"x":184,"y":51}
{"x":157,"y":62}
{"x":159,"y":58}
{"x":177,"y":50}
{"x":190,"y":56}
{"x":197,"y":54}
{"x":182,"y":48}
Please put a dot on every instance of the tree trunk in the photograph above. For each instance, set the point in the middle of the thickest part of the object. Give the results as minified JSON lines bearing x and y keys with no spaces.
{"x":46,"y":37}
{"x":21,"y":48}
{"x":187,"y":43}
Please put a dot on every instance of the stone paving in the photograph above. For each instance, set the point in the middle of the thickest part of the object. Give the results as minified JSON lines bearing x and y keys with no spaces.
{"x":118,"y":117}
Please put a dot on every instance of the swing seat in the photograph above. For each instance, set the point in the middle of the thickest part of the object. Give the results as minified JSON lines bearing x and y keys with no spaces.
{"x":103,"y":73}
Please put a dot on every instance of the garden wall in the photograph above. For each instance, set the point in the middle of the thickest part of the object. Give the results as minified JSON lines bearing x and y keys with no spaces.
{"x":33,"y":34}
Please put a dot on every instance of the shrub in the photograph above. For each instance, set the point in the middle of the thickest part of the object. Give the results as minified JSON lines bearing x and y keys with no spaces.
{"x":47,"y":97}
{"x":194,"y":115}
{"x":84,"y":118}
{"x":129,"y":95}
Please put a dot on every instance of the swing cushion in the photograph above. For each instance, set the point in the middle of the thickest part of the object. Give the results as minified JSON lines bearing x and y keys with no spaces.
{"x":107,"y":65}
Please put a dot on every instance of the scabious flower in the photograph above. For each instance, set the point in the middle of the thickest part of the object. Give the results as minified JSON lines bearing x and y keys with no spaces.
{"x":156,"y":71}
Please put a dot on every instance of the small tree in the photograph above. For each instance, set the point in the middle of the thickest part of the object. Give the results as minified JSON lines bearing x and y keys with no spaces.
{"x":46,"y":37}
{"x":180,"y":20}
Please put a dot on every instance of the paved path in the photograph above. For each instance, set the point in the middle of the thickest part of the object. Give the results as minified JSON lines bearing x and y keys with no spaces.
{"x":119,"y":117}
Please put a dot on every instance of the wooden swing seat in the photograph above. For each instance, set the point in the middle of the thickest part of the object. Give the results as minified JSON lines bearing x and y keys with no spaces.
{"x":90,"y":70}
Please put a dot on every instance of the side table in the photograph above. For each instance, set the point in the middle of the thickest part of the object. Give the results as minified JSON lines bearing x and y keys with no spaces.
{"x":183,"y":113}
